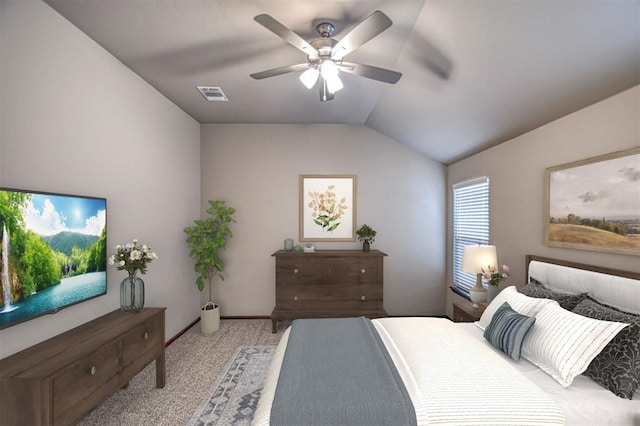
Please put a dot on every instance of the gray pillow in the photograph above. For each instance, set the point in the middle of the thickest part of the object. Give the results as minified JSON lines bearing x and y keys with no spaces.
{"x":507,"y":330}
{"x":536,"y":289}
{"x":617,"y":367}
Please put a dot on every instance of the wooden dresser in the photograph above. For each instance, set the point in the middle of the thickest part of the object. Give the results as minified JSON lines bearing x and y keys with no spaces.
{"x":328,"y":283}
{"x":59,"y":381}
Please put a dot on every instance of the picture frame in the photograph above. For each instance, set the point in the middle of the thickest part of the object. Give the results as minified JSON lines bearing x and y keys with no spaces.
{"x":327,"y":207}
{"x":594,"y":204}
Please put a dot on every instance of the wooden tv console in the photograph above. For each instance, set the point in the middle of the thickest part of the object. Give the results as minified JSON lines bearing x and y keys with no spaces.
{"x":61,"y":380}
{"x":328,"y":283}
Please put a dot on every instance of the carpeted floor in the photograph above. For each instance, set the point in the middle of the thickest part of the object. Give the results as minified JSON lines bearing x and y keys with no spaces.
{"x":194,"y":362}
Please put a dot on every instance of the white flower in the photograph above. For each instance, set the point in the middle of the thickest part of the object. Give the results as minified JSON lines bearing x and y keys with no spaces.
{"x":132,"y":257}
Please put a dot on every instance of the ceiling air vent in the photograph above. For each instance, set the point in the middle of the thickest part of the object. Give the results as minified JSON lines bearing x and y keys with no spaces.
{"x":213,"y":93}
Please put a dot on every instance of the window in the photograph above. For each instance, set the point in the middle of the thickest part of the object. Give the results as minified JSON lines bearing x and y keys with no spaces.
{"x":470,"y":225}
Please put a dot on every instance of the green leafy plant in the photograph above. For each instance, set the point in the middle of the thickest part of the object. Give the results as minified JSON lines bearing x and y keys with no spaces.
{"x":206,"y":238}
{"x":365,"y":233}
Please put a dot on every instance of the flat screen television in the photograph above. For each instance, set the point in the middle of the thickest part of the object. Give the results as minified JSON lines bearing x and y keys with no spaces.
{"x":54,"y":252}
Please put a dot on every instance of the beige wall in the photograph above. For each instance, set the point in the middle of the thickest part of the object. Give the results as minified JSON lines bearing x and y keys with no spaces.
{"x":75,"y":120}
{"x":400,"y":193}
{"x":517,"y":190}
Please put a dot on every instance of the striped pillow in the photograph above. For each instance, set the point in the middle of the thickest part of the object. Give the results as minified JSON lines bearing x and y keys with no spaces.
{"x":563,"y":344}
{"x":520,"y":303}
{"x":507,"y":330}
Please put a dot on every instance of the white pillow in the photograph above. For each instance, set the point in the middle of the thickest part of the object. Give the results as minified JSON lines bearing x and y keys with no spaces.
{"x":563,"y":343}
{"x":520,"y":303}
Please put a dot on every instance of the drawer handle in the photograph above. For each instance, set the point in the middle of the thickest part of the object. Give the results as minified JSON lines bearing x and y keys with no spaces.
{"x":363,"y":270}
{"x":295,"y":271}
{"x":146,"y":336}
{"x":363,"y":298}
{"x":295,"y":298}
{"x":93,"y":370}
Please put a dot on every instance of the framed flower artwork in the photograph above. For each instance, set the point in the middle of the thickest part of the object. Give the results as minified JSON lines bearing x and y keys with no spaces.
{"x":594,"y":204}
{"x":327,"y":207}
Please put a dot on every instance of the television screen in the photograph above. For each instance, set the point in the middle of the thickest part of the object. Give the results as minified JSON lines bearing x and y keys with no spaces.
{"x":54,"y":252}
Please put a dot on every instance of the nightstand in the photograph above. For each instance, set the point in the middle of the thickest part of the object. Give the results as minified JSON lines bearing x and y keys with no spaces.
{"x":465,"y":312}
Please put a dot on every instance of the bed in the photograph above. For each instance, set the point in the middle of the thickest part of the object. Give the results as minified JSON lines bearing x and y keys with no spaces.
{"x":452,"y":374}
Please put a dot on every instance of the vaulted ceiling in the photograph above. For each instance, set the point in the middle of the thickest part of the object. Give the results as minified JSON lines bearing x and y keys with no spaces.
{"x":475,"y":72}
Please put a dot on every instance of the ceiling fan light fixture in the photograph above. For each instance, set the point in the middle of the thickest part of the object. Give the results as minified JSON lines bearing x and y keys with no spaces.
{"x":309,"y":77}
{"x":334,"y":84}
{"x":328,"y":69}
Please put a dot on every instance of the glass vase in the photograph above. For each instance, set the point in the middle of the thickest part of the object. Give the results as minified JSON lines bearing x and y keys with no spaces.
{"x":132,"y":294}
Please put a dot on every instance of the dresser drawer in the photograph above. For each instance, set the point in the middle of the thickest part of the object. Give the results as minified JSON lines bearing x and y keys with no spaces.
{"x":368,"y":271}
{"x":141,"y":345}
{"x":84,"y":384}
{"x":317,"y":271}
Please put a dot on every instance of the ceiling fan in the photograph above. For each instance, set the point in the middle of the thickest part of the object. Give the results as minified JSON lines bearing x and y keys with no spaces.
{"x":325,"y":54}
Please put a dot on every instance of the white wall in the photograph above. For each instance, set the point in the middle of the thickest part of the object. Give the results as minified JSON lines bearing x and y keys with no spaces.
{"x":400,"y":193}
{"x":517,"y":190}
{"x":75,"y":120}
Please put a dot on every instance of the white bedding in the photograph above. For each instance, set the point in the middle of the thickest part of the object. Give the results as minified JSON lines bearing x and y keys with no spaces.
{"x":584,"y":402}
{"x":452,"y":377}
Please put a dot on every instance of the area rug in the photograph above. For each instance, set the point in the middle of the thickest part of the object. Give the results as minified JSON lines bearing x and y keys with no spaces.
{"x":233,"y":398}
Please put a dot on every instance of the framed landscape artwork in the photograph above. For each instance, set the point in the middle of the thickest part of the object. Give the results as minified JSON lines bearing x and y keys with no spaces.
{"x":594,"y":204}
{"x":327,"y":207}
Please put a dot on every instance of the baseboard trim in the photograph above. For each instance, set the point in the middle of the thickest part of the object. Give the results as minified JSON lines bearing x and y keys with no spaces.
{"x":181,"y":332}
{"x":247,"y":317}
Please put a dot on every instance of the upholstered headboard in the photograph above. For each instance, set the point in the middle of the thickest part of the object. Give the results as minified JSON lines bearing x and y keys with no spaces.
{"x":620,"y":289}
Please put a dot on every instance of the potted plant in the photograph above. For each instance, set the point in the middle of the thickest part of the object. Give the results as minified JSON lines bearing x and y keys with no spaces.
{"x":205,"y":238}
{"x":132,"y":258}
{"x":366,"y":235}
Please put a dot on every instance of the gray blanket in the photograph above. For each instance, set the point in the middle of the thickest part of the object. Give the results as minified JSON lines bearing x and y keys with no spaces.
{"x":337,"y":371}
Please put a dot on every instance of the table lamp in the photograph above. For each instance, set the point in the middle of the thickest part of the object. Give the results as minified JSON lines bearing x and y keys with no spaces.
{"x":474,"y":259}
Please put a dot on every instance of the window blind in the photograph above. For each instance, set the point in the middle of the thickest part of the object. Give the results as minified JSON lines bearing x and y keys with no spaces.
{"x":470,"y":225}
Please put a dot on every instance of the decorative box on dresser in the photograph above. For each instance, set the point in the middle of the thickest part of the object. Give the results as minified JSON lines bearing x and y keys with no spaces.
{"x":59,"y":381}
{"x":328,"y":283}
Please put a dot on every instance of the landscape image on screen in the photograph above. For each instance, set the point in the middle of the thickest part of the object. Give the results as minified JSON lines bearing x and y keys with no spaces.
{"x":53,"y":252}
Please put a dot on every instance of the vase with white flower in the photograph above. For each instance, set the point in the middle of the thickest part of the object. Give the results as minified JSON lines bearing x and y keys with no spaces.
{"x":492,"y":276}
{"x":133,"y":258}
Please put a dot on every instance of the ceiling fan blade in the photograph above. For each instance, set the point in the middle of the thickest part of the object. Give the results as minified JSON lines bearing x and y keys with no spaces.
{"x":285,"y":33}
{"x":370,"y":27}
{"x":280,"y":70}
{"x":369,"y":71}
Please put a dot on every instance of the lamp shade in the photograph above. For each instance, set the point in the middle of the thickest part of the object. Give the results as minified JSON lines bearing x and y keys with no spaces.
{"x":309,"y":77}
{"x":477,"y":257}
